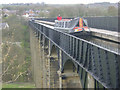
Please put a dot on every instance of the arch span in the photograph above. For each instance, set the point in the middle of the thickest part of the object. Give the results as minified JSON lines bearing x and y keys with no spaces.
{"x":70,"y":77}
{"x":53,"y":52}
{"x":46,"y":41}
{"x":69,"y":66}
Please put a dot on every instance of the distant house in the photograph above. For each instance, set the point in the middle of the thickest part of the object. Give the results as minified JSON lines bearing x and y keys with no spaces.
{"x":25,"y":15}
{"x":31,"y":13}
{"x":4,"y":25}
{"x":7,"y":12}
{"x":6,"y":15}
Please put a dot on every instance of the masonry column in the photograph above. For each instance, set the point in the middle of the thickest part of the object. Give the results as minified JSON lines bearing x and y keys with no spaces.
{"x":48,"y":65}
{"x":60,"y":69}
{"x":90,"y":81}
{"x":38,"y":61}
{"x":44,"y":64}
{"x":54,"y":78}
{"x":0,"y":67}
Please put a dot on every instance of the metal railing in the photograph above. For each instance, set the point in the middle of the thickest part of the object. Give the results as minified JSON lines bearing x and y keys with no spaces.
{"x":101,"y":63}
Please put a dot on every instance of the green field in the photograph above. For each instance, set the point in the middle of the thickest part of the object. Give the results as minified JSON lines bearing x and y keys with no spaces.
{"x":18,"y":85}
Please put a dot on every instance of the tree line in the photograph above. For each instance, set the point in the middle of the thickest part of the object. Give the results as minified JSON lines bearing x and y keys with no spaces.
{"x":75,"y":10}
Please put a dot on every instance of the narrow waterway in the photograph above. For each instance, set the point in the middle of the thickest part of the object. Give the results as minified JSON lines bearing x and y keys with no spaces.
{"x":113,"y":46}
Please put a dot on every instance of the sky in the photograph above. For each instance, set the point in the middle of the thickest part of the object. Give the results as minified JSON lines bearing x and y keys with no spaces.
{"x":57,"y":1}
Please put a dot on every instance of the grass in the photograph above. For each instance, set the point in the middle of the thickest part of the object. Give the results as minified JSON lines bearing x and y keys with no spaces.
{"x":18,"y":85}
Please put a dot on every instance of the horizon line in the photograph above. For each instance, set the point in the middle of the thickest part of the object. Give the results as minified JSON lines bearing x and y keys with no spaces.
{"x":57,"y":3}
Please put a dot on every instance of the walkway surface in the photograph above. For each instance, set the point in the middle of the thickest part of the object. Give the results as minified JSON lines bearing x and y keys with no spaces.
{"x":112,"y":35}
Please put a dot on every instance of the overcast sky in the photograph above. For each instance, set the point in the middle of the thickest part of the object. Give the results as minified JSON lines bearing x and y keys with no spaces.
{"x":57,"y":1}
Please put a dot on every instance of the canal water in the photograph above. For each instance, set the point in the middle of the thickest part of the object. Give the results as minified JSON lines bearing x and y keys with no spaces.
{"x":111,"y":45}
